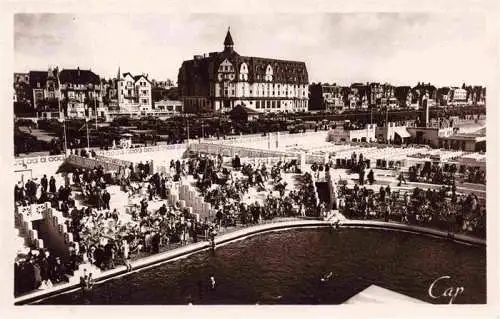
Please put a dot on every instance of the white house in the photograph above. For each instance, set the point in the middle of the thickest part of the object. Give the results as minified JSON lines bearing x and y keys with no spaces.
{"x":459,"y":96}
{"x":134,"y":93}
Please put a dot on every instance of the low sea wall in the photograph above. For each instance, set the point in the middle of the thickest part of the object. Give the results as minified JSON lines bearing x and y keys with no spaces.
{"x":182,"y":252}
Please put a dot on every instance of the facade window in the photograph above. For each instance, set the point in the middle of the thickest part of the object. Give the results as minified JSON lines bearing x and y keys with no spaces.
{"x":257,"y":104}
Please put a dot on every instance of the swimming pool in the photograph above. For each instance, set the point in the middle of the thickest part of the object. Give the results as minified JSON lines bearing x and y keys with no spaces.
{"x":285,"y":267}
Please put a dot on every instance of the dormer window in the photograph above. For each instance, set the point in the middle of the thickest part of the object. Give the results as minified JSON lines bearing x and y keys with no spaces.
{"x":269,"y":73}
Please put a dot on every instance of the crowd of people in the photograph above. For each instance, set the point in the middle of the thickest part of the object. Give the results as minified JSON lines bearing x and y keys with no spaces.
{"x":431,"y":173}
{"x":227,"y":187}
{"x":474,"y":175}
{"x":34,"y":191}
{"x":105,"y":239}
{"x":447,"y":174}
{"x":38,"y":269}
{"x":442,"y":208}
{"x":100,"y":236}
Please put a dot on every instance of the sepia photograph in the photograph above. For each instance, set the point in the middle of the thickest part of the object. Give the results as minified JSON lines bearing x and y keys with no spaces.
{"x":250,"y":159}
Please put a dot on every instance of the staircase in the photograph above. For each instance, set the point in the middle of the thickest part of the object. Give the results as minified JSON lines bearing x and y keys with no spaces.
{"x":323,"y":192}
{"x":26,"y":235}
{"x":20,"y":242}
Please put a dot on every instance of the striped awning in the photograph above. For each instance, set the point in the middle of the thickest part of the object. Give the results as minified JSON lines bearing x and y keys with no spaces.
{"x":402,"y":132}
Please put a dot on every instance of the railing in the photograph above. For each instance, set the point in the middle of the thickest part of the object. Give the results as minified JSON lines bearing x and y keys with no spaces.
{"x":146,"y":149}
{"x":231,"y":150}
{"x":113,"y":160}
{"x":27,"y":161}
{"x":91,"y":163}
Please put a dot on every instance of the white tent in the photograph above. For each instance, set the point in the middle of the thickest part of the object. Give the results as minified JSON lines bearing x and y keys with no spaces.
{"x":378,"y":295}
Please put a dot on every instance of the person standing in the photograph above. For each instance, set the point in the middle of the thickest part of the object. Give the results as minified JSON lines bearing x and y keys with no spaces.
{"x":370,"y":177}
{"x":212,"y":234}
{"x":36,"y":274}
{"x":106,"y":197}
{"x":18,"y":190}
{"x":382,"y":194}
{"x":361,"y":174}
{"x":126,"y":254}
{"x":401,"y":178}
{"x":44,"y":183}
{"x":45,"y":269}
{"x":86,"y":283}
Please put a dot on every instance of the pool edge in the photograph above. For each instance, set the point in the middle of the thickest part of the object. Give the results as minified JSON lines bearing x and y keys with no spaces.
{"x":224,"y":239}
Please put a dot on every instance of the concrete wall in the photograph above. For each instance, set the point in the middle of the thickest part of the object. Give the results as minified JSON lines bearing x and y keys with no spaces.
{"x":429,"y":135}
{"x":26,"y":230}
{"x":389,"y":132}
{"x":52,"y":233}
{"x":39,"y":165}
{"x":55,"y":232}
{"x":339,"y":134}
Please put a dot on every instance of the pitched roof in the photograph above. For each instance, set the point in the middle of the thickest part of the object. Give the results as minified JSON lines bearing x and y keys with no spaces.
{"x":228,"y":40}
{"x":402,"y":91}
{"x":444,"y":90}
{"x":36,"y":77}
{"x":137,"y":77}
{"x":77,"y":76}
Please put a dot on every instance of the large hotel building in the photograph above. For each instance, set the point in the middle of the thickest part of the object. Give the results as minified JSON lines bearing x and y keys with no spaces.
{"x":220,"y":81}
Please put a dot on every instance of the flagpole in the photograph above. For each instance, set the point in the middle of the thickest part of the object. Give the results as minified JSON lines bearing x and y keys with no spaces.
{"x":95,"y":108}
{"x":65,"y":140}
{"x":88,"y":141}
{"x":187,"y":124}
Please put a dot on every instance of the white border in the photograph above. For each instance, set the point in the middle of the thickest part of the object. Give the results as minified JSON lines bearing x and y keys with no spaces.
{"x":486,"y":7}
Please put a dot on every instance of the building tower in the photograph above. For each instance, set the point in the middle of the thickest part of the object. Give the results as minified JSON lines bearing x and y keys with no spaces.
{"x":228,"y":42}
{"x":118,"y":91}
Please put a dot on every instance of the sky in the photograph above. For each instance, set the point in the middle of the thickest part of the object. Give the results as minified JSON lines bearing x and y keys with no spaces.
{"x":398,"y":48}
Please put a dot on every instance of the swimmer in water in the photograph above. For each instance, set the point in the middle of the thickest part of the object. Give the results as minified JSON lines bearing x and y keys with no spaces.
{"x":212,"y":282}
{"x":327,"y":277}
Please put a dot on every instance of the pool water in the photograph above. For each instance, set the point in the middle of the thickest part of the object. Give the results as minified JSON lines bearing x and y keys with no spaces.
{"x":285,"y":267}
